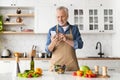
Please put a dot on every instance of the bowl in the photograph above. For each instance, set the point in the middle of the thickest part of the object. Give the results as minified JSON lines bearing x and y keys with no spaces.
{"x":60,"y":69}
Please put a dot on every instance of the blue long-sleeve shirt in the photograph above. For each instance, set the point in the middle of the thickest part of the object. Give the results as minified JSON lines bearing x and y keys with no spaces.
{"x":78,"y":43}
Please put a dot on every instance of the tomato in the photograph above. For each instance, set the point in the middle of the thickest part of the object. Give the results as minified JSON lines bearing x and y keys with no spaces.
{"x":74,"y":74}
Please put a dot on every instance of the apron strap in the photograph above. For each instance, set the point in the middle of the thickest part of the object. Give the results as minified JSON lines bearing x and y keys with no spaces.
{"x":58,"y":31}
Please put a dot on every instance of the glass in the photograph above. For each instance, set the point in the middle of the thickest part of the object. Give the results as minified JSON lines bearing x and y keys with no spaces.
{"x":110,"y":12}
{"x":95,"y":27}
{"x":80,"y":12}
{"x":90,"y":19}
{"x":76,"y":19}
{"x":105,"y":12}
{"x":105,"y":27}
{"x":81,"y":19}
{"x":105,"y":19}
{"x":111,"y":19}
{"x":95,"y":12}
{"x":81,"y":27}
{"x":91,"y":27}
{"x":95,"y":19}
{"x":110,"y":27}
{"x":90,"y":12}
{"x":75,"y":12}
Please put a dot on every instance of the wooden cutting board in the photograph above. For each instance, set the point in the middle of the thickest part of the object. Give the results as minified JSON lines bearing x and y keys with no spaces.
{"x":101,"y":76}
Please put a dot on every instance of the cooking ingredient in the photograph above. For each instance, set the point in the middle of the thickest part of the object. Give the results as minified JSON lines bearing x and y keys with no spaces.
{"x":38,"y":70}
{"x":84,"y":68}
{"x":84,"y":72}
{"x":1,"y":22}
{"x":79,"y":73}
{"x":60,"y":69}
{"x":32,"y":63}
{"x":29,"y":74}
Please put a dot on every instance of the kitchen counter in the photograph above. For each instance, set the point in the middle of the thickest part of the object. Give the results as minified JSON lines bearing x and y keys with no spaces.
{"x":54,"y":76}
{"x":83,"y":58}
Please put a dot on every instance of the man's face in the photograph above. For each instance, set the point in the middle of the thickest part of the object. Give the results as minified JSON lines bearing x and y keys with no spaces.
{"x":62,"y":17}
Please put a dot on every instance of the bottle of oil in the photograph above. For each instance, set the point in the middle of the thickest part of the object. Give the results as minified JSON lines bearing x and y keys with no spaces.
{"x":32,"y":63}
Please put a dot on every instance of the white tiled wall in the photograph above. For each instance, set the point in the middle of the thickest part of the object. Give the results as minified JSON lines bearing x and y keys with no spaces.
{"x":23,"y":43}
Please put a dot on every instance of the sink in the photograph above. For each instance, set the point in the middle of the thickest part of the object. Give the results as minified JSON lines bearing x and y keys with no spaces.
{"x":100,"y":57}
{"x":96,"y":57}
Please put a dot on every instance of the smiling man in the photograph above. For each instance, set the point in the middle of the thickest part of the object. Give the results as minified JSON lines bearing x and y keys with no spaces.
{"x":62,"y":41}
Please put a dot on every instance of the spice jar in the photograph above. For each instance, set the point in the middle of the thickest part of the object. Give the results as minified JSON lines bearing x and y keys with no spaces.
{"x":96,"y":69}
{"x":18,"y":11}
{"x":19,"y":20}
{"x":104,"y":71}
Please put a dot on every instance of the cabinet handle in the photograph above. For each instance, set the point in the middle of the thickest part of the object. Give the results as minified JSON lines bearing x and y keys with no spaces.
{"x":54,"y":4}
{"x":102,"y":30}
{"x":71,"y":4}
{"x":6,"y":61}
{"x":44,"y":61}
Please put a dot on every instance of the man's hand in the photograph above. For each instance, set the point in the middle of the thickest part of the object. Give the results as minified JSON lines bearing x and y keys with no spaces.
{"x":62,"y":37}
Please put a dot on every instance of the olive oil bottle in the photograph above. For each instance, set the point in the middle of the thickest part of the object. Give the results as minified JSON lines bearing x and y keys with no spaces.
{"x":32,"y":63}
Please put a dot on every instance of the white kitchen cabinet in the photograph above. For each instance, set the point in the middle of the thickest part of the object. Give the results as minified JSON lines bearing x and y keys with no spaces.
{"x":46,"y":15}
{"x":7,"y":2}
{"x":92,"y":17}
{"x":6,"y":66}
{"x":25,"y":3}
{"x":24,"y":65}
{"x":44,"y":64}
{"x":14,"y":3}
{"x":44,"y":18}
{"x":111,"y":64}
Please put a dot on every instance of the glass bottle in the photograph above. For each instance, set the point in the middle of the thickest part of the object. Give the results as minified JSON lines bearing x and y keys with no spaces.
{"x":32,"y":63}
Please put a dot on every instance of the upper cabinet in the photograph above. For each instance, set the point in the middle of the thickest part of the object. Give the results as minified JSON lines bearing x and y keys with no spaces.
{"x":14,"y":3}
{"x":94,"y":16}
{"x":46,"y":14}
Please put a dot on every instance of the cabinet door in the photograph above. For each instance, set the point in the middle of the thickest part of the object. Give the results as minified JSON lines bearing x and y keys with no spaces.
{"x":7,"y":2}
{"x":24,"y":65}
{"x":44,"y":18}
{"x":25,"y":3}
{"x":44,"y":64}
{"x":6,"y":66}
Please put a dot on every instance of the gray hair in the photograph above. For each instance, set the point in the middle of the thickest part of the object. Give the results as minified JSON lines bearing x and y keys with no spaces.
{"x":63,"y":8}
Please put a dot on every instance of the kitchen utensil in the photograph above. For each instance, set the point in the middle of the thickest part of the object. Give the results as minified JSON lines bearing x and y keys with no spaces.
{"x":60,"y":69}
{"x":33,"y":52}
{"x":6,"y":53}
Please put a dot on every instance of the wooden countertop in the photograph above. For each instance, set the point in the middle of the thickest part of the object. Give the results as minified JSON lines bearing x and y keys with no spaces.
{"x":84,"y":58}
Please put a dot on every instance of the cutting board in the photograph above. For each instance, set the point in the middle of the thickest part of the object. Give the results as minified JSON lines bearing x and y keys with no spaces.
{"x":101,"y":76}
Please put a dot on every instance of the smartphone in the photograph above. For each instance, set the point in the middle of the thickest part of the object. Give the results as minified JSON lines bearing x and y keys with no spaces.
{"x":53,"y":33}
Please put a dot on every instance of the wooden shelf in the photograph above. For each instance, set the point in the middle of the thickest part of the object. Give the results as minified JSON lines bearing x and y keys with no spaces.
{"x":11,"y":32}
{"x":12,"y":24}
{"x":21,"y":15}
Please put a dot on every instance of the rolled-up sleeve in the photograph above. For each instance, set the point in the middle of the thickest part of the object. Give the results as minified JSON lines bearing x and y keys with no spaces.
{"x":48,"y":42}
{"x":78,"y":43}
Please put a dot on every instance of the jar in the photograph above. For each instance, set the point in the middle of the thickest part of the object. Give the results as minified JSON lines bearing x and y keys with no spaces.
{"x":19,"y":20}
{"x":18,"y":11}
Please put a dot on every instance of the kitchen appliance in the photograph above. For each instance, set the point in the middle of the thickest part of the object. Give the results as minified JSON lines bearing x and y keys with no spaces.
{"x":6,"y":53}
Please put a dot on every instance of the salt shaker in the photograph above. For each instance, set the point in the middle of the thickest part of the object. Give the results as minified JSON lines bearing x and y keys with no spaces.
{"x":104,"y":71}
{"x":96,"y":69}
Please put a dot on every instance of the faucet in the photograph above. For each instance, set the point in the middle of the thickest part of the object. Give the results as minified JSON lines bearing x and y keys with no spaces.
{"x":100,"y":53}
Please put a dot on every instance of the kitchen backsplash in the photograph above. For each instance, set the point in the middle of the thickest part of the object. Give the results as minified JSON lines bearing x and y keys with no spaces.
{"x":23,"y":43}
